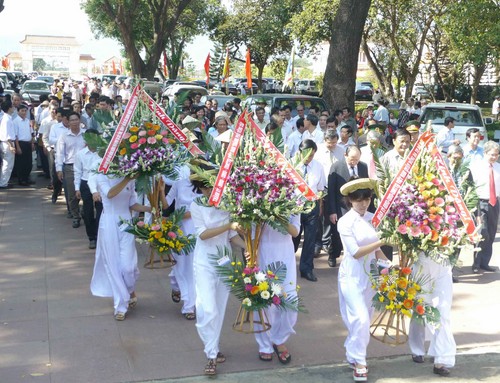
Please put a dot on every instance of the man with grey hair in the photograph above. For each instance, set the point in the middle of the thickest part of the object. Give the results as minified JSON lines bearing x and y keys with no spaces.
{"x":486,"y":176}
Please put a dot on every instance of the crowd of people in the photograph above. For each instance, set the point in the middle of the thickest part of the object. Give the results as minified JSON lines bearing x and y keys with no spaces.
{"x":341,"y":163}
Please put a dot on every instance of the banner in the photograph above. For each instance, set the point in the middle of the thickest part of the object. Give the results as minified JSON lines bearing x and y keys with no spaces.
{"x":227,"y":162}
{"x":174,"y":129}
{"x":207,"y":68}
{"x":425,"y":142}
{"x":121,"y":129}
{"x":248,"y":70}
{"x":282,"y":161}
{"x":288,"y":82}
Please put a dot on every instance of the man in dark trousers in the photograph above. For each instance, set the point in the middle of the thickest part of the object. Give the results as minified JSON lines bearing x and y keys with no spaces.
{"x":342,"y":172}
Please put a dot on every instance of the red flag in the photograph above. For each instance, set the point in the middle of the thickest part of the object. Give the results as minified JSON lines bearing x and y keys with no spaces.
{"x":165,"y":70}
{"x":114,"y":67}
{"x":248,"y":70}
{"x":207,"y":68}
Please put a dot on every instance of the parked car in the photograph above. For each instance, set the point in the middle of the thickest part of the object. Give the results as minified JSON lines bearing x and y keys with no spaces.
{"x":366,"y":83}
{"x":11,"y":80}
{"x":48,"y":79}
{"x":227,"y":88}
{"x":180,"y":88}
{"x":466,"y":116}
{"x":278,"y":100}
{"x":309,"y":87}
{"x":363,"y":92}
{"x":33,"y":89}
{"x":151,"y":87}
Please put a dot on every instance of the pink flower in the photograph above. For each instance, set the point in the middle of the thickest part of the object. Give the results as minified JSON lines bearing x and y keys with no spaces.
{"x":384,"y":271}
{"x":172,"y":235}
{"x":425,"y":229}
{"x":402,"y":229}
{"x":135,"y":145}
{"x":126,"y":136}
{"x":142,"y":141}
{"x":450,"y":209}
{"x":415,"y":231}
{"x":163,"y":132}
{"x":248,"y":287}
{"x":435,"y":181}
{"x":247,"y":270}
{"x":436,"y":226}
{"x":151,"y":140}
{"x":142,"y":133}
{"x":439,"y":201}
{"x":164,"y":140}
{"x":441,"y":187}
{"x":140,"y":224}
{"x":276,"y":300}
{"x":438,"y":219}
{"x":156,"y":227}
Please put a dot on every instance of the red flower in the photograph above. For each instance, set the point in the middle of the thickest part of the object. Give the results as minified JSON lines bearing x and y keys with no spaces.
{"x":254,"y":148}
{"x":239,"y":189}
{"x":406,"y":270}
{"x":248,"y":179}
{"x":151,"y":132}
{"x":262,"y":163}
{"x":420,"y":310}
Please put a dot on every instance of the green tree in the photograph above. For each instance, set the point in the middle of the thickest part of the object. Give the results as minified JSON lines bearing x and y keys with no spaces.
{"x":473,"y":28}
{"x":217,"y":61}
{"x":39,"y":64}
{"x":150,"y":27}
{"x":260,"y":25}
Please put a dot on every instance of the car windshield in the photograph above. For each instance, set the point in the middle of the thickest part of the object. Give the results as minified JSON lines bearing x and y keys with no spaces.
{"x":462,"y":117}
{"x":36,"y":86}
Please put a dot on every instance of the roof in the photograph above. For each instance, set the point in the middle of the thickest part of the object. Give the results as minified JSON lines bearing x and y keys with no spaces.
{"x":86,"y":57}
{"x":14,"y":55}
{"x":452,"y":105}
{"x":50,"y":40}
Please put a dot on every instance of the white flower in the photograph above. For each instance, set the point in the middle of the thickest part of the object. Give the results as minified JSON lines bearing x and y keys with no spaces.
{"x":265,"y":294}
{"x":276,"y":289}
{"x":260,"y":277}
{"x":246,"y":302}
{"x":247,"y":280}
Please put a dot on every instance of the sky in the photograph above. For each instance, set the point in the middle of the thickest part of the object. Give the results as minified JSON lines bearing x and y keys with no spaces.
{"x":65,"y":18}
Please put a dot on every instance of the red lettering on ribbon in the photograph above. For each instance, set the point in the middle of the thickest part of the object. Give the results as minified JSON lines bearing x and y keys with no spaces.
{"x":227,"y":162}
{"x":121,"y":129}
{"x":174,"y":129}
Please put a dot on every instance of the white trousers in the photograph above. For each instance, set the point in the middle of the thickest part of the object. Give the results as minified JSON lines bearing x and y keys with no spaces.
{"x":282,"y":322}
{"x":442,"y":346}
{"x":8,"y":159}
{"x":356,"y":310}
{"x":211,"y":300}
{"x":181,"y":279}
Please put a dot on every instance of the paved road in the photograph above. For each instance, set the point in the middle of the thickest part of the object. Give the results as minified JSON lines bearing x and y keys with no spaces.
{"x":53,"y":330}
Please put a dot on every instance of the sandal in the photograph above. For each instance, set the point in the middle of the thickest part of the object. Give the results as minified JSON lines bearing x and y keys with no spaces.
{"x":189,"y":316}
{"x":210,"y":367}
{"x":283,"y":356}
{"x":264,"y":356}
{"x":132,"y":302}
{"x":360,"y":374}
{"x":120,"y":316}
{"x":176,"y":296}
{"x":352,"y":366}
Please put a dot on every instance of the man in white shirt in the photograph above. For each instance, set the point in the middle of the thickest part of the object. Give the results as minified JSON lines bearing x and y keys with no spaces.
{"x":288,"y":122}
{"x":382,"y":114}
{"x":394,"y":158}
{"x":345,"y":137}
{"x":445,"y":138}
{"x":68,"y":145}
{"x":472,"y":150}
{"x":76,"y":92}
{"x":314,"y":176}
{"x":7,"y":144}
{"x":54,"y":132}
{"x":312,"y":131}
{"x":24,"y":146}
{"x":295,"y":139}
{"x":86,"y":162}
{"x":495,"y":108}
{"x":260,"y":119}
{"x":486,"y":176}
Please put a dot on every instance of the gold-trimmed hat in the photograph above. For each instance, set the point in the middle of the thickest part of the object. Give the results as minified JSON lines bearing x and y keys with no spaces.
{"x":360,"y":183}
{"x":412,"y":126}
{"x":378,"y":126}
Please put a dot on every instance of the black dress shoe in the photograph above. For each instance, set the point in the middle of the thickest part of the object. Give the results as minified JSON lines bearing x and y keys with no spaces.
{"x":418,"y":358}
{"x":309,"y":276}
{"x":332,"y":262}
{"x":454,"y":279}
{"x":76,"y":223}
{"x":54,"y":198}
{"x":489,"y":268}
{"x":475,"y":269}
{"x":443,"y":371}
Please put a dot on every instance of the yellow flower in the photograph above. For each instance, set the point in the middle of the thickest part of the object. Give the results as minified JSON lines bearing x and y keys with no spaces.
{"x":381,"y":298}
{"x":391,"y":295}
{"x":133,"y":138}
{"x":263,"y":286}
{"x":158,"y":235}
{"x":134,"y":129}
{"x":123,"y":151}
{"x":156,"y":127}
{"x":159,"y":137}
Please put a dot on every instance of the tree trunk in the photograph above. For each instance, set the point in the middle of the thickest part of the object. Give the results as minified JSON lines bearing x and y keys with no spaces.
{"x":478,"y":73}
{"x":342,"y":65}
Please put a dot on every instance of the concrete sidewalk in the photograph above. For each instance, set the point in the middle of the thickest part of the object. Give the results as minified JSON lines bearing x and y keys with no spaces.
{"x":53,"y":330}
